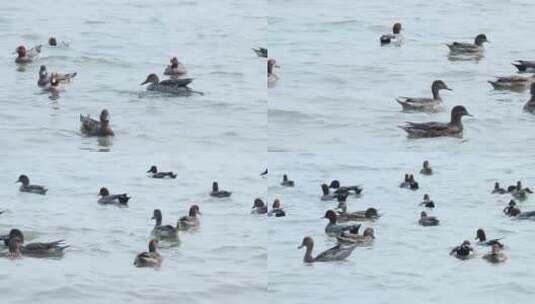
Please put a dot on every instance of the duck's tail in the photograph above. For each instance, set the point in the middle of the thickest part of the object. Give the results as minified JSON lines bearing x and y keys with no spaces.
{"x":519,"y":65}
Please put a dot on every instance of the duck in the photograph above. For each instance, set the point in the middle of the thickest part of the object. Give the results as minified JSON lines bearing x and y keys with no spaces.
{"x":427,"y":202}
{"x":176,"y":68}
{"x":470,"y":48}
{"x":276,"y":209}
{"x":272,"y":77}
{"x":514,"y":83}
{"x":155,"y":174}
{"x":481,"y":237}
{"x":261,"y":52}
{"x":524,"y":65}
{"x":112,"y":199}
{"x":27,"y":187}
{"x":365,"y":239}
{"x":497,"y":189}
{"x":174,"y":86}
{"x":438,"y":129}
{"x":511,"y":209}
{"x":92,"y":127}
{"x":27,"y":56}
{"x":164,"y":232}
{"x":392,"y":39}
{"x":150,"y":258}
{"x":426,"y":220}
{"x":336,"y":253}
{"x":519,"y":192}
{"x":530,"y":104}
{"x":259,"y":207}
{"x":463,"y":251}
{"x":335,"y":229}
{"x":219,"y":193}
{"x":495,"y":255}
{"x":45,"y":79}
{"x":52,"y":41}
{"x":515,"y":212}
{"x":343,"y":216}
{"x":425,"y":104}
{"x":409,"y":182}
{"x":426,"y":168}
{"x":335,"y":184}
{"x":264,"y":173}
{"x":191,"y":220}
{"x":286,"y":182}
{"x":37,"y":250}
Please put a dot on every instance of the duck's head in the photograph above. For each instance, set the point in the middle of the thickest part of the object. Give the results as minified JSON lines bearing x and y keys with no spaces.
{"x":458,"y":112}
{"x":411,"y":178}
{"x":519,"y":185}
{"x":157,"y":215}
{"x":480,"y":39}
{"x":423,"y":214}
{"x":480,"y":235}
{"x":153,"y":169}
{"x":258,"y":203}
{"x":215,"y":187}
{"x":369,"y":232}
{"x":371,"y":213}
{"x":14,"y":247}
{"x":396,"y":29}
{"x":104,"y":115}
{"x":16,"y":233}
{"x":496,"y":185}
{"x":440,"y":85}
{"x":152,"y":245}
{"x":285,"y":178}
{"x":21,"y":50}
{"x":307,"y":242}
{"x":272,"y":63}
{"x":52,"y":41}
{"x":331,"y":215}
{"x":426,"y":197}
{"x":426,"y":164}
{"x":194,"y":210}
{"x":152,"y":78}
{"x":325,"y":189}
{"x":512,"y":203}
{"x":406,"y":179}
{"x":335,"y":184}
{"x":103,"y":192}
{"x":23,"y":179}
{"x":174,"y":62}
{"x":42,"y":71}
{"x":276,"y":204}
{"x":466,"y":243}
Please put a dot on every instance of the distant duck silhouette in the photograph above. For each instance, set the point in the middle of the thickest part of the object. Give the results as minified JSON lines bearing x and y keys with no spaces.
{"x":154,"y":173}
{"x":395,"y":38}
{"x":219,"y":193}
{"x":27,"y":187}
{"x":112,"y":199}
{"x":286,"y":182}
{"x":92,"y":127}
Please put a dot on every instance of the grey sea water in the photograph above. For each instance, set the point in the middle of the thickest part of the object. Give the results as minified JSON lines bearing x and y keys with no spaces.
{"x":332,"y":114}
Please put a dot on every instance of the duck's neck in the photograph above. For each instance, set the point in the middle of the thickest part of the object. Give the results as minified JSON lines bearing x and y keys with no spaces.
{"x":435,"y":90}
{"x":269,"y":69}
{"x":158,"y":222}
{"x":308,"y":255}
{"x":456,"y":120}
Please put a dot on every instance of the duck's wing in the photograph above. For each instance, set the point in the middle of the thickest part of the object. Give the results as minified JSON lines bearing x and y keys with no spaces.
{"x":336,"y":253}
{"x":522,"y":65}
{"x":512,"y":79}
{"x":463,"y":46}
{"x":89,"y":125}
{"x":427,"y":126}
{"x":166,"y":228}
{"x":182,"y":82}
{"x":37,"y":188}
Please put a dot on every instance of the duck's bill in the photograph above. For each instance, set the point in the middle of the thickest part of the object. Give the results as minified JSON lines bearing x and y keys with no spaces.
{"x":448,"y":88}
{"x":276,"y":66}
{"x":144,"y":82}
{"x":301,"y":246}
{"x":149,"y":171}
{"x":468,"y":114}
{"x":152,"y":218}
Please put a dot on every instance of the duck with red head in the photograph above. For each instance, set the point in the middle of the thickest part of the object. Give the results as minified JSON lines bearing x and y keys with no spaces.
{"x":335,"y":229}
{"x":45,"y":79}
{"x":276,"y":209}
{"x":150,"y":258}
{"x":395,"y":38}
{"x":93,"y":127}
{"x":27,"y":187}
{"x":112,"y":199}
{"x":27,"y":56}
{"x":463,"y":251}
{"x":336,"y":253}
{"x":176,"y":68}
{"x":438,"y":129}
{"x":191,"y":220}
{"x":481,"y":238}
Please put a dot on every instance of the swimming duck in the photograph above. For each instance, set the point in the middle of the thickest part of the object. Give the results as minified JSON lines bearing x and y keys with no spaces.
{"x":333,"y":228}
{"x":54,"y":86}
{"x":335,"y":184}
{"x":112,"y":199}
{"x":343,"y":216}
{"x":45,"y":79}
{"x":326,"y":194}
{"x":495,"y":255}
{"x":272,"y":77}
{"x":425,"y":104}
{"x":482,"y":239}
{"x":409,"y":183}
{"x":511,"y":209}
{"x":149,"y":259}
{"x":426,"y":168}
{"x":395,"y":38}
{"x":530,"y":104}
{"x":514,"y":83}
{"x":219,"y":193}
{"x":497,"y":189}
{"x":155,"y":174}
{"x":259,"y":207}
{"x":26,"y":187}
{"x":52,"y":41}
{"x":276,"y":209}
{"x":524,"y":65}
{"x":437,"y":129}
{"x":286,"y":182}
{"x":261,"y":52}
{"x":463,"y":47}
{"x":27,"y":56}
{"x":92,"y":127}
{"x":426,"y":220}
{"x":191,"y":220}
{"x":463,"y":251}
{"x":265,"y":172}
{"x":37,"y":250}
{"x":164,"y":232}
{"x":427,"y":202}
{"x":336,"y":253}
{"x":365,"y":239}
{"x":174,"y":86}
{"x":519,"y":192}
{"x":176,"y":68}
